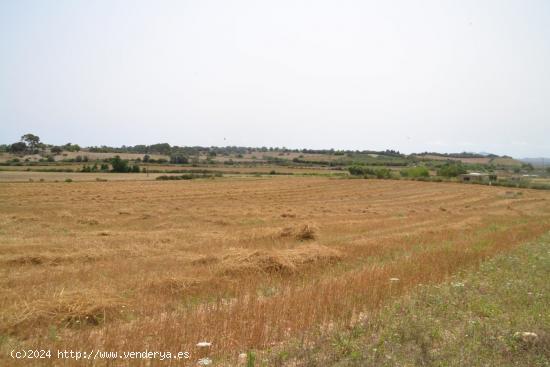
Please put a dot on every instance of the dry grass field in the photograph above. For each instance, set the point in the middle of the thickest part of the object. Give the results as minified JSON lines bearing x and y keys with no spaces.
{"x":29,"y":176}
{"x":242,"y":263}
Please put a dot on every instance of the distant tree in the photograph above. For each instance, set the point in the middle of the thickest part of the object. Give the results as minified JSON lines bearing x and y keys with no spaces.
{"x":104,"y":167}
{"x":162,"y":148}
{"x":71,"y":147}
{"x":527,"y":166}
{"x":135,"y":168}
{"x":179,"y":159}
{"x":78,"y":158}
{"x":18,"y":148}
{"x":56,"y":150}
{"x":32,"y":141}
{"x":146,"y":158}
{"x":119,"y":165}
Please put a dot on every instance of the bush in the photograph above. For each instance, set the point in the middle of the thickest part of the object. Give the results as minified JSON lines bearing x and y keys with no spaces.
{"x":187,"y":176}
{"x":357,"y":171}
{"x":414,"y":172}
{"x":451,"y":170}
{"x":382,"y":173}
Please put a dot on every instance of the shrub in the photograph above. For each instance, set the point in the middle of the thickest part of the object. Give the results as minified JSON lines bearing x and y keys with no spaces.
{"x":357,"y":171}
{"x":413,"y":172}
{"x":382,"y":173}
{"x":187,"y":176}
{"x":451,"y":170}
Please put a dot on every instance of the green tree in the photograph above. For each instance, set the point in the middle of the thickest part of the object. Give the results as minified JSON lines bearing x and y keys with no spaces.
{"x":32,"y":141}
{"x":17,"y":148}
{"x":56,"y":150}
{"x":71,"y":147}
{"x":119,"y":165}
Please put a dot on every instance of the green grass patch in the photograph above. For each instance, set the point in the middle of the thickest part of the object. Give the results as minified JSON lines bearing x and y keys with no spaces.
{"x":476,"y":318}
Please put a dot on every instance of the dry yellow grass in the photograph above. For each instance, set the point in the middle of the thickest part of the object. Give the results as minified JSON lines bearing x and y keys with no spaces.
{"x":244,"y":263}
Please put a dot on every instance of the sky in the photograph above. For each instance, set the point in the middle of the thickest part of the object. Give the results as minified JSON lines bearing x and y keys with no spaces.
{"x":414,"y":76}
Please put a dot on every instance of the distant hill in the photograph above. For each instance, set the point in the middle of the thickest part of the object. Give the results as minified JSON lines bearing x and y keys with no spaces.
{"x":538,"y":162}
{"x":471,"y":158}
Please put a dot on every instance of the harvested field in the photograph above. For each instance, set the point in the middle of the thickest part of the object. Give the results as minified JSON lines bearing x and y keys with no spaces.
{"x":26,"y":176}
{"x":243,"y":263}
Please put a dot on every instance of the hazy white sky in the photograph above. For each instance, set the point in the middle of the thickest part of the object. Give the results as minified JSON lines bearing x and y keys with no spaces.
{"x":465,"y":75}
